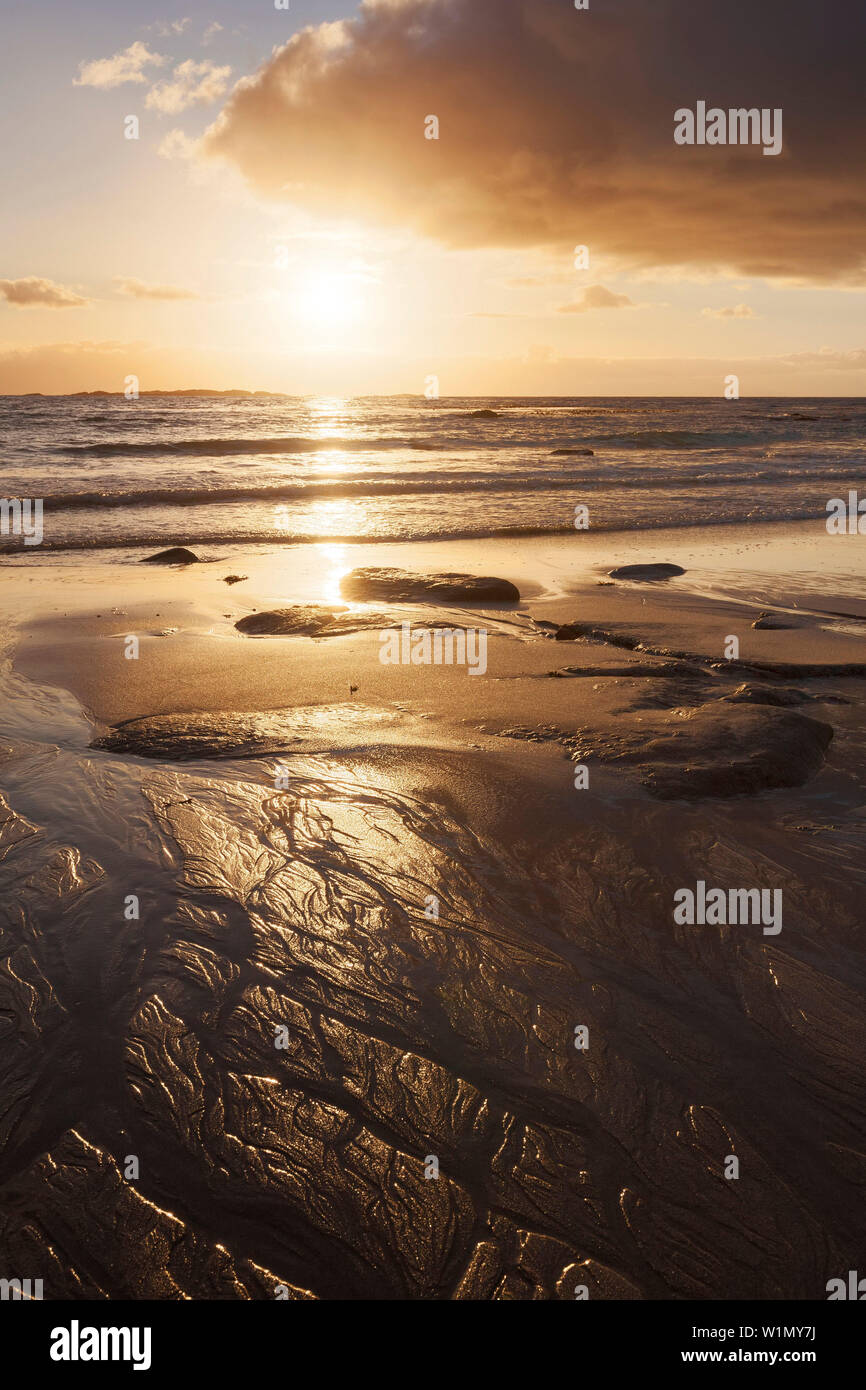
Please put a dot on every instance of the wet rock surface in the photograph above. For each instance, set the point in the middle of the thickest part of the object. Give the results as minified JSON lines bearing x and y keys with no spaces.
{"x":747,"y":694}
{"x":690,"y":750}
{"x":400,"y":586}
{"x":659,"y":571}
{"x":709,"y":753}
{"x":177,"y":555}
{"x":301,"y":620}
{"x":239,"y":733}
{"x":772,"y":622}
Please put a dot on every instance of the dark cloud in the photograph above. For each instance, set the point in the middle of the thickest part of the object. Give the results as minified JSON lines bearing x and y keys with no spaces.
{"x":556,"y":127}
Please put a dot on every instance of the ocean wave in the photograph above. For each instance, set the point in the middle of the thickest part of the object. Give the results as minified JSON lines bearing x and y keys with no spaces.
{"x":211,"y":448}
{"x":113,"y":417}
{"x":163,"y":540}
{"x":490,"y":484}
{"x":669,"y":439}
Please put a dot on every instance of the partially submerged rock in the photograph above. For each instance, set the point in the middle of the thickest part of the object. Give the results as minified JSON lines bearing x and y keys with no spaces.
{"x":589,"y":452}
{"x":719,"y":750}
{"x":747,"y":694}
{"x":400,"y":586}
{"x":486,"y":414}
{"x":785,"y":695}
{"x":660,"y":571}
{"x":770,"y":622}
{"x":220,"y":734}
{"x":177,"y":555}
{"x":301,"y":620}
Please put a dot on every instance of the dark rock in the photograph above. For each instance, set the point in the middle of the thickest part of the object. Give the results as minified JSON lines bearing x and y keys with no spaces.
{"x":238,"y":733}
{"x":298,"y":621}
{"x":313,"y":620}
{"x":235,"y":578}
{"x":302,"y":620}
{"x":646,"y":571}
{"x":178,"y":555}
{"x":784,"y":695}
{"x":557,"y":452}
{"x":763,"y":695}
{"x":402,"y":587}
{"x":711,"y":754}
{"x":768,"y":622}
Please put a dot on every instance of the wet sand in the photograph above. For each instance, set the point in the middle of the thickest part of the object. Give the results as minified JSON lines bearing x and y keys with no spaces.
{"x":374,"y":907}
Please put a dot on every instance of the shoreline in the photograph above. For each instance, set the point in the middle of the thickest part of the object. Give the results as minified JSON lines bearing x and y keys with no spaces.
{"x":73,"y":635}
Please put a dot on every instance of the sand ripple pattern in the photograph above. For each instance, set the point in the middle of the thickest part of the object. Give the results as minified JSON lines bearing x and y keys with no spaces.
{"x":300,"y":1171}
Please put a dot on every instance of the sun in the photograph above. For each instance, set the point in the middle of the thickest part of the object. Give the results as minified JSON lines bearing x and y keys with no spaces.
{"x":327,"y":299}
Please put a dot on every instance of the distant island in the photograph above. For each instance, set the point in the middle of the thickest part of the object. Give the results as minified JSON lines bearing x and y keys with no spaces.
{"x":189,"y":391}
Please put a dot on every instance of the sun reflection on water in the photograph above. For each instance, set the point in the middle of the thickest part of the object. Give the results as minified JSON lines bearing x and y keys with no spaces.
{"x":336,"y":555}
{"x":327,"y":416}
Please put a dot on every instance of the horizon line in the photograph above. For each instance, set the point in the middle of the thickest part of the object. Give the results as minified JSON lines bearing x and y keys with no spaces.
{"x":408,"y":395}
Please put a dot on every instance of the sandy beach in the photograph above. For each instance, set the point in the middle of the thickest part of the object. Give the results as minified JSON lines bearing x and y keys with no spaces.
{"x":392,"y":999}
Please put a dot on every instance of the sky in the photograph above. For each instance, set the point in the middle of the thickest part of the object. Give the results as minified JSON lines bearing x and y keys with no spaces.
{"x":283,"y":220}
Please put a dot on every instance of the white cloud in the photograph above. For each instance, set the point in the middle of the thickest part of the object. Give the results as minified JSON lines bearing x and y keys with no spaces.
{"x":191,"y":84}
{"x":164,"y":27}
{"x":139,"y":289}
{"x":178,"y":145}
{"x":123,"y":67}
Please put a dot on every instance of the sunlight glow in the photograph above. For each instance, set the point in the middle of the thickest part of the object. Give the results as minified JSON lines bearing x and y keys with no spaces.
{"x":327,"y":300}
{"x":336,"y":554}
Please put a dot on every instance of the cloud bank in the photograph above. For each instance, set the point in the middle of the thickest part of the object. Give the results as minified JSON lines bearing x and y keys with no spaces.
{"x":556,"y":128}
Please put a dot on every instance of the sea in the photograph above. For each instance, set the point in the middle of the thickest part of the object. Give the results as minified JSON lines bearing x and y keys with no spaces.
{"x":125,"y":475}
